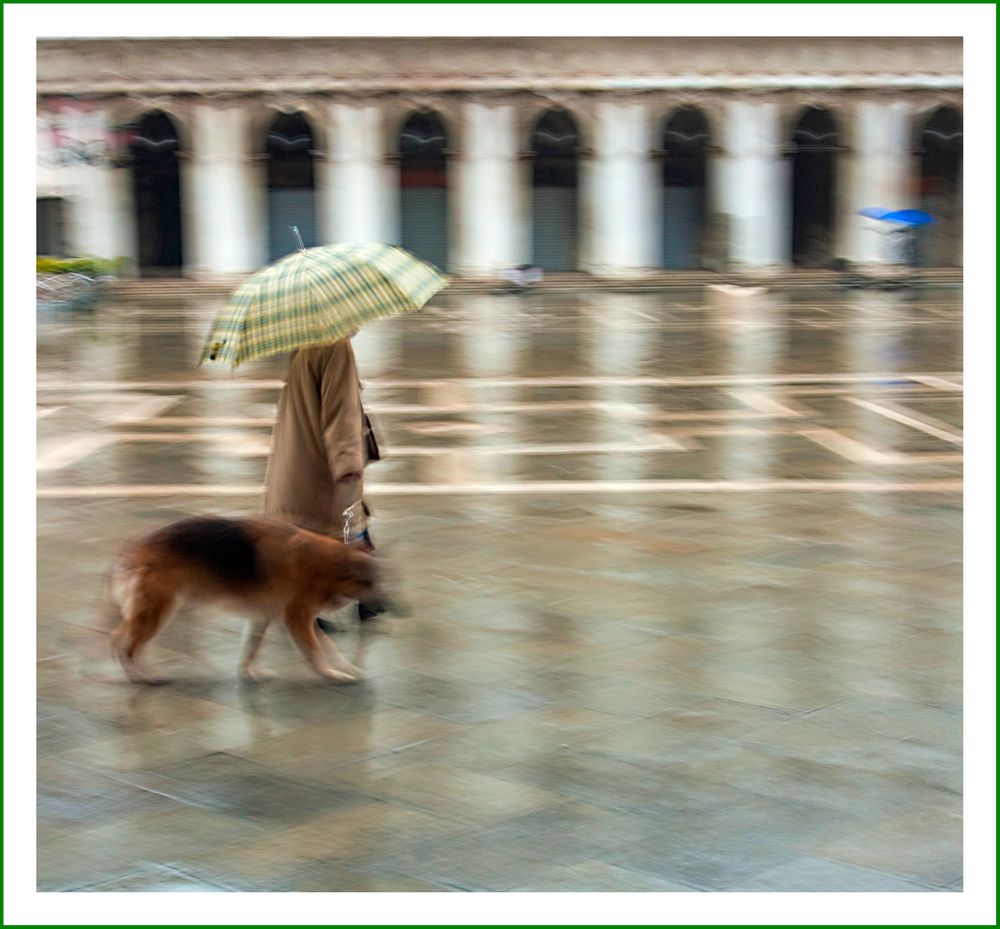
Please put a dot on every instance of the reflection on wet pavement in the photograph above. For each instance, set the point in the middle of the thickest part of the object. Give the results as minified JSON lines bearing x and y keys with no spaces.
{"x":686,"y":578}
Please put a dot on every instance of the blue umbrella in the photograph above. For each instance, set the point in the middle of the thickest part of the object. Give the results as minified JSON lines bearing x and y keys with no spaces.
{"x":903,"y":217}
{"x":908,"y":217}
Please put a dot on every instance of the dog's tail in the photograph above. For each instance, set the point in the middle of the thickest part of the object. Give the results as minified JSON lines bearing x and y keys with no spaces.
{"x":119,"y":588}
{"x":120,"y":582}
{"x":110,"y":605}
{"x":111,"y":613}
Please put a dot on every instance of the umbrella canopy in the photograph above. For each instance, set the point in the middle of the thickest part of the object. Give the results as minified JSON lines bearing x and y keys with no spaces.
{"x":903,"y":217}
{"x":909,"y":217}
{"x":316,"y":296}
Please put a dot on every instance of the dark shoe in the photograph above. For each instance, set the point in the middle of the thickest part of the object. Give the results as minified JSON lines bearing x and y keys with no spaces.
{"x":328,"y":626}
{"x":369,"y":609}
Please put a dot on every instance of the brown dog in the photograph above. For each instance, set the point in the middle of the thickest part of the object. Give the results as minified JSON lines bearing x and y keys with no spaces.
{"x":262,"y":567}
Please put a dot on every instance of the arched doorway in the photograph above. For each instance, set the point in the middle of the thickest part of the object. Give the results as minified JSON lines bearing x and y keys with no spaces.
{"x":423,"y":188}
{"x":154,"y":147}
{"x":815,"y":142}
{"x":939,"y":145}
{"x":685,"y":201}
{"x":290,"y":184}
{"x":555,"y":145}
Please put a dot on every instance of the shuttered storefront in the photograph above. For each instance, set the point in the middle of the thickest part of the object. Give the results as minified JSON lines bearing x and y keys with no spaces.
{"x":554,"y":221}
{"x":424,"y":221}
{"x":683,"y":227}
{"x":291,"y":181}
{"x":423,"y":188}
{"x":289,"y":207}
{"x":555,"y":213}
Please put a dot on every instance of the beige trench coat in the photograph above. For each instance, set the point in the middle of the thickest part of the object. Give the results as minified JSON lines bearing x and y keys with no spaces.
{"x":318,"y":439}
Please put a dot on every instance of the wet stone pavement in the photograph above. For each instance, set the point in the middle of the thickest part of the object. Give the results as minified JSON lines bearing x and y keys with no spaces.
{"x":686,"y":586}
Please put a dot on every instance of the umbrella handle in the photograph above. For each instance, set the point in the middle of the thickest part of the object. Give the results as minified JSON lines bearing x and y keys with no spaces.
{"x":295,"y":229}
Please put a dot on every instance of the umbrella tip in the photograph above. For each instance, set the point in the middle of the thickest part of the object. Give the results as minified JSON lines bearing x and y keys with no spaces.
{"x":295,"y":229}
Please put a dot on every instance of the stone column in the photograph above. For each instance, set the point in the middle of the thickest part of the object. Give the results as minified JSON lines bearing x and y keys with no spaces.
{"x":222,"y":232}
{"x":355,"y":206}
{"x":875,"y":175}
{"x":621,"y":209}
{"x":123,"y":240}
{"x":486,"y":173}
{"x":100,"y":216}
{"x":715,"y":256}
{"x":756,"y":194}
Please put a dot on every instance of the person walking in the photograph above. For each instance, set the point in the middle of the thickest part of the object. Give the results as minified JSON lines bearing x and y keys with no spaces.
{"x":311,"y":303}
{"x":319,"y":448}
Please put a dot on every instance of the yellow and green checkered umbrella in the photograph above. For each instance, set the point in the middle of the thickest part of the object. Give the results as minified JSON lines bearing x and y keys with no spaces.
{"x":316,"y":296}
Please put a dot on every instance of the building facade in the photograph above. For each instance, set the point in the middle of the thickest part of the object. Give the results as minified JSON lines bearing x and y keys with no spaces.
{"x":617,"y":157}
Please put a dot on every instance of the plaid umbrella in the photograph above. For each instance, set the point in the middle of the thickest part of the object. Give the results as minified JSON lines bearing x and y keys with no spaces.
{"x":316,"y":296}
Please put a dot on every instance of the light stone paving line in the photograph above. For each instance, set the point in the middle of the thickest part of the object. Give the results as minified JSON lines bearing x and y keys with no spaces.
{"x":686,"y":416}
{"x":244,"y":421}
{"x":209,"y":307}
{"x":913,"y":388}
{"x":53,"y":456}
{"x":938,"y":322}
{"x":56,"y":457}
{"x":764,"y":429}
{"x":251,"y":445}
{"x":659,"y":443}
{"x":416,"y":409}
{"x":927,"y":424}
{"x":526,"y":407}
{"x":526,"y":488}
{"x":764,"y":403}
{"x":859,"y":453}
{"x":940,"y":381}
{"x":144,"y":409}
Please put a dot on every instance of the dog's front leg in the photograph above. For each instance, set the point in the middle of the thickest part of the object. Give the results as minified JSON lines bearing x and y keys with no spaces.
{"x":301,"y":622}
{"x":335,"y":656}
{"x":255,"y":635}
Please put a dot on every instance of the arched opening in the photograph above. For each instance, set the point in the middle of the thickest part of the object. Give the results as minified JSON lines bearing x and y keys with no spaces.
{"x":940,"y":148}
{"x":555,"y":145}
{"x":290,"y":184}
{"x":815,"y":143}
{"x":685,"y":201}
{"x":423,"y":188}
{"x":154,"y":149}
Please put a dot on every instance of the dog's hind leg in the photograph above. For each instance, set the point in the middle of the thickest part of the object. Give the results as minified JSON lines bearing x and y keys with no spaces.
{"x":146,"y":609}
{"x":251,"y":647}
{"x":301,"y":622}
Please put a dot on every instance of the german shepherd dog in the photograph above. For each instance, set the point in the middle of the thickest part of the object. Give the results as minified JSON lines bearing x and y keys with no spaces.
{"x":263,"y":568}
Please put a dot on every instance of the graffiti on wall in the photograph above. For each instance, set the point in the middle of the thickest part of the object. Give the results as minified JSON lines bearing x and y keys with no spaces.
{"x":73,"y":132}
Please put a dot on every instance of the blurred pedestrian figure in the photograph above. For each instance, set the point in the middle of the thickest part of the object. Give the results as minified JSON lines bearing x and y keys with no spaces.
{"x":321,"y":443}
{"x":522,"y":277}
